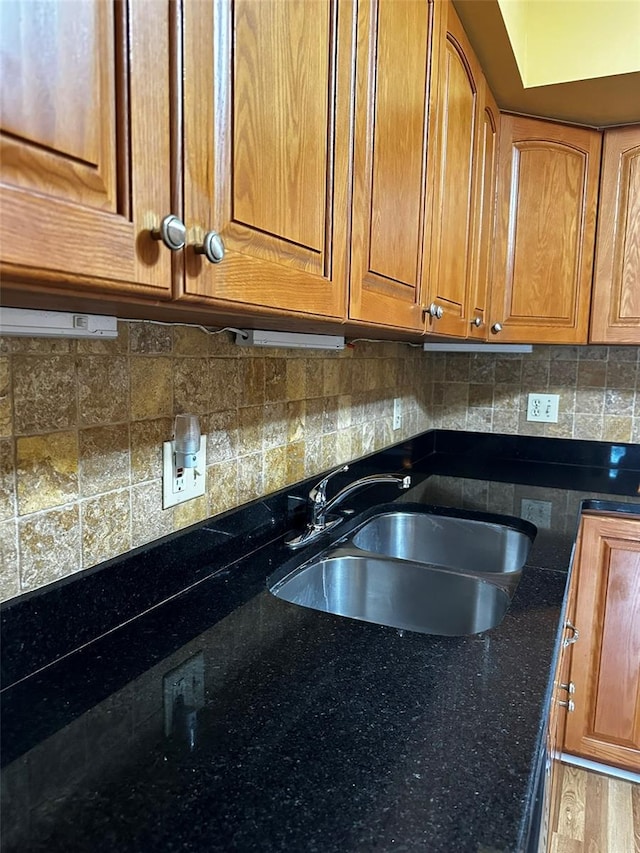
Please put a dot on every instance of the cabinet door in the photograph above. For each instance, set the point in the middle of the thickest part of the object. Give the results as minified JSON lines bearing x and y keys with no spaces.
{"x":605,"y":667}
{"x":449,"y":283}
{"x":615,"y":313}
{"x":84,"y":144}
{"x":395,"y":42}
{"x":484,"y":206}
{"x":547,"y":196}
{"x":266,"y":138}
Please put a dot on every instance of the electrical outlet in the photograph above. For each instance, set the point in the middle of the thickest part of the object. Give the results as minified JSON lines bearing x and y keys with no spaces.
{"x":537,"y":512}
{"x":185,"y":682}
{"x":182,"y":484}
{"x":397,"y":413}
{"x":543,"y":407}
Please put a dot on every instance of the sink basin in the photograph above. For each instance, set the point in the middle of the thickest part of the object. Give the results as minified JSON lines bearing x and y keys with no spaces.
{"x":463,"y":544}
{"x":395,"y":593}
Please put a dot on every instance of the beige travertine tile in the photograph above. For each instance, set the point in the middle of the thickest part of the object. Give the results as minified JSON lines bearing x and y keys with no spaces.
{"x":592,"y":373}
{"x":330,"y":415}
{"x":148,"y":520}
{"x":331,"y":377}
{"x":535,"y":374}
{"x":345,"y":374}
{"x":356,"y":434}
{"x":588,"y":426}
{"x":105,"y":459}
{"x":275,"y":380}
{"x":621,"y":374}
{"x":49,"y":545}
{"x":314,"y":378}
{"x":224,"y":390}
{"x":329,"y":451}
{"x":564,"y":353}
{"x":312,"y":456}
{"x":619,"y":401}
{"x":151,"y":387}
{"x":221,"y":429}
{"x":147,"y":438}
{"x":7,"y":480}
{"x":250,"y":479}
{"x":296,"y":379}
{"x":384,"y":434}
{"x":46,"y":471}
{"x":275,"y":468}
{"x":343,"y":447}
{"x":628,"y":354}
{"x":42,"y":346}
{"x":150,"y":339}
{"x":189,"y":340}
{"x":481,"y":395}
{"x":223,"y":344}
{"x":251,"y":382}
{"x":222,"y":486}
{"x":190,"y":512}
{"x":589,"y":401}
{"x":295,"y":453}
{"x":457,"y":367}
{"x":480,"y":419}
{"x":564,"y":427}
{"x":344,"y":412}
{"x":191,"y":385}
{"x":275,"y":428}
{"x":296,"y":420}
{"x":250,"y":430}
{"x":508,"y":371}
{"x":106,"y":526}
{"x":563,"y":373}
{"x":592,"y":353}
{"x":103,"y":390}
{"x":617,"y":428}
{"x":44,"y":393}
{"x":6,"y":398}
{"x":456,"y":395}
{"x":9,"y":572}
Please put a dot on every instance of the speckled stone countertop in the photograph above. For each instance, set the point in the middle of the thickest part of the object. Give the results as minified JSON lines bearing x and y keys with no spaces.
{"x":318,"y":733}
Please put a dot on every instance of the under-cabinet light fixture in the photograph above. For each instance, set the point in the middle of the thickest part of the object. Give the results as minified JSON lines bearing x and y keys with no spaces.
{"x":23,"y":322}
{"x":296,"y":340}
{"x":487,"y":348}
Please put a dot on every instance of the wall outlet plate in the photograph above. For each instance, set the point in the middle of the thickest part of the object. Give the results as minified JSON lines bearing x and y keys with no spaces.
{"x":185,"y":682}
{"x":190,"y":483}
{"x":397,"y":412}
{"x":543,"y":408}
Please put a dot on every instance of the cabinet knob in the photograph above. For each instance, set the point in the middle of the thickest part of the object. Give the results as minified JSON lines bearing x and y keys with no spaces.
{"x":496,"y":328}
{"x":568,"y":641}
{"x":570,"y":688}
{"x":477,"y":322}
{"x":172,"y":232}
{"x":569,"y":705}
{"x":435,"y":310}
{"x":211,"y":247}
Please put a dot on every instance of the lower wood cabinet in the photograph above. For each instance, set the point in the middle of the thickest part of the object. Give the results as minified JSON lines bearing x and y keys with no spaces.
{"x":605,"y":663}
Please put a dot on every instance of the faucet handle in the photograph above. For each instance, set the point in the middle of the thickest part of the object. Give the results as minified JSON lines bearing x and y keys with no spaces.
{"x":318,"y":494}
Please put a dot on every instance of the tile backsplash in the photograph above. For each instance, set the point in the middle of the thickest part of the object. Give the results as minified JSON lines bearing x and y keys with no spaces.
{"x":82,"y":425}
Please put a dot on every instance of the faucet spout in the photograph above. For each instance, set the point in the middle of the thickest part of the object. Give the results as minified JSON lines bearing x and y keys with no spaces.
{"x":320,"y":507}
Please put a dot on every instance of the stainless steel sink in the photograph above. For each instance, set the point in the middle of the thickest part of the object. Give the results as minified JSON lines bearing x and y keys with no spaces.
{"x":396,"y":593}
{"x":464,"y":544}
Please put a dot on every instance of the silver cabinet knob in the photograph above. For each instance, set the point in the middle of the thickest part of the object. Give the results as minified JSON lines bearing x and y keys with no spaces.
{"x":569,"y":705}
{"x":477,"y":322}
{"x":172,"y":232}
{"x":211,"y":247}
{"x":496,"y":328}
{"x":435,"y":310}
{"x":570,"y":688}
{"x":568,"y":641}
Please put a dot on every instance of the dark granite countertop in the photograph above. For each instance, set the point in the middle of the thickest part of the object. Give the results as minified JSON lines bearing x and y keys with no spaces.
{"x":317,"y":733}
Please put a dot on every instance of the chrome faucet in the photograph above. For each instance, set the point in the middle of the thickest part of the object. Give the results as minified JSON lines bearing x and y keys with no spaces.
{"x":319,"y":507}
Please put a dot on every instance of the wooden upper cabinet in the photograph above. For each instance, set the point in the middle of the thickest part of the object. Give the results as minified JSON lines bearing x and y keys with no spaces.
{"x":266,"y":139}
{"x":545,"y":231}
{"x":449,"y":280}
{"x":605,"y":665}
{"x":395,"y":43}
{"x":84,"y":144}
{"x":484,"y":209}
{"x":615,"y":310}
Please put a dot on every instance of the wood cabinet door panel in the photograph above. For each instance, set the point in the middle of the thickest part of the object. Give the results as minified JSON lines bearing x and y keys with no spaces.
{"x":84,"y":143}
{"x":266,"y":140}
{"x":547,"y":195}
{"x":486,"y":171}
{"x":606,"y":661}
{"x":453,"y":216}
{"x":390,"y":177}
{"x":615,"y":316}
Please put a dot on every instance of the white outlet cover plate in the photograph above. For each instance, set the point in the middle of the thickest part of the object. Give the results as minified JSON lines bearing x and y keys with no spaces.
{"x":543,"y":408}
{"x":193,"y":481}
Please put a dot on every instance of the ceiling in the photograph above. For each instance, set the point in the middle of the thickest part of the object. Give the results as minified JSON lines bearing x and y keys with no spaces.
{"x":597,"y":102}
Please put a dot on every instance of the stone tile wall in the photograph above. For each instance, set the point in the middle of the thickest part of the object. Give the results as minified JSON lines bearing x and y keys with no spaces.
{"x":82,"y":425}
